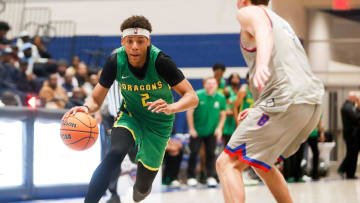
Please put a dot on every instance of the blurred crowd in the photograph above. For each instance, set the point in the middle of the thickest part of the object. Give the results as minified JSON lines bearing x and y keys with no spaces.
{"x":27,"y":70}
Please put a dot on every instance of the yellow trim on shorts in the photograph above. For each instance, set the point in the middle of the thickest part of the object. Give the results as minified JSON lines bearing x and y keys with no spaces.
{"x":148,"y":167}
{"x":122,"y":126}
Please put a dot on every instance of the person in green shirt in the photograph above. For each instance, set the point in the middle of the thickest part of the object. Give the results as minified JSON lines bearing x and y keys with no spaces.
{"x":244,"y":100}
{"x":206,"y":123}
{"x":145,"y":76}
{"x":231,"y":91}
{"x":219,"y":70}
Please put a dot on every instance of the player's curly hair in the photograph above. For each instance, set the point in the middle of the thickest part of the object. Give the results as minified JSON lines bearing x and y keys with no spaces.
{"x":260,"y":2}
{"x":136,"y":22}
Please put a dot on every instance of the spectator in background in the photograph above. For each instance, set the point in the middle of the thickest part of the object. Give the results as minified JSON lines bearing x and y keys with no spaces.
{"x":54,"y":95}
{"x":77,"y":98}
{"x":231,"y":92}
{"x":15,"y":54}
{"x":313,"y":143}
{"x":4,"y":29}
{"x":37,"y":41}
{"x":27,"y":83}
{"x":62,"y":69}
{"x":244,"y":100}
{"x":81,"y":74}
{"x":68,"y":85}
{"x":206,"y":123}
{"x":172,"y":162}
{"x":8,"y":63}
{"x":9,"y":99}
{"x":350,"y":115}
{"x":89,"y":86}
{"x":75,"y":61}
{"x":219,"y":70}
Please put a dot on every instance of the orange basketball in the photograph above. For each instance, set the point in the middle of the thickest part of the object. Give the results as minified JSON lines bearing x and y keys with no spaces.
{"x":79,"y":132}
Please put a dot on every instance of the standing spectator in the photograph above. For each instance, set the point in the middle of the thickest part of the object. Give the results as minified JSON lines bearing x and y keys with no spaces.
{"x":231,"y":92}
{"x":37,"y":41}
{"x":81,"y":74}
{"x":4,"y":29}
{"x":205,"y":123}
{"x":219,"y":70}
{"x":350,"y":115}
{"x":244,"y":100}
{"x":54,"y":95}
{"x":313,"y":143}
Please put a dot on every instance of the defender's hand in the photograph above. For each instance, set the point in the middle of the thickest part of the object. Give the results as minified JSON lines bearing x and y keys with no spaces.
{"x":159,"y":106}
{"x":74,"y":110}
{"x":242,"y":115}
{"x":261,"y":76}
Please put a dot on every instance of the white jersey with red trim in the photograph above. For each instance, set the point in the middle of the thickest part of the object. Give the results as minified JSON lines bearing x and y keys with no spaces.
{"x":291,"y":81}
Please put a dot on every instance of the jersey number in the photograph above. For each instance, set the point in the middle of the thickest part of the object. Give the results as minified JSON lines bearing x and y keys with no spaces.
{"x":144,"y":98}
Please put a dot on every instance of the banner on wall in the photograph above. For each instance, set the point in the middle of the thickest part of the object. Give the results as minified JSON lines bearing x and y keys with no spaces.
{"x":11,"y":153}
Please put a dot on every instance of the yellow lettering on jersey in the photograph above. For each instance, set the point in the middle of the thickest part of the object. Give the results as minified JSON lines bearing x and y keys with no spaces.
{"x":129,"y":88}
{"x":136,"y":88}
{"x":123,"y":86}
{"x":159,"y":84}
{"x":153,"y":86}
{"x":142,"y":87}
{"x":148,"y":87}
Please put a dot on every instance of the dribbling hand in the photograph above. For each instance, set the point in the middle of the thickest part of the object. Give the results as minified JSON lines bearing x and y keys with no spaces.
{"x":159,"y":106}
{"x":261,"y":76}
{"x":74,"y":110}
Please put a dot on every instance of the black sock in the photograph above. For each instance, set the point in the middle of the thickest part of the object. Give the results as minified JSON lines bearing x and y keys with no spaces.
{"x":144,"y":180}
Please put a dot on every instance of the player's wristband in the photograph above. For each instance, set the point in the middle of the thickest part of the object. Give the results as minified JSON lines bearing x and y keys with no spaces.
{"x":86,"y":106}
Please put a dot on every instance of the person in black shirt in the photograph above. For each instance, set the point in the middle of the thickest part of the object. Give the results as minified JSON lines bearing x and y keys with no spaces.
{"x":350,"y":115}
{"x":134,"y":58}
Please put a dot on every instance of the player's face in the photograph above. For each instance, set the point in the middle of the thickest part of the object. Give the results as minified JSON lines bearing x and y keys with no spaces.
{"x":210,"y":86}
{"x":136,"y":49}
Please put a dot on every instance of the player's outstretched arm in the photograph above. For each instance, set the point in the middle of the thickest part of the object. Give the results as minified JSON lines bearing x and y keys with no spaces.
{"x":188,"y":100}
{"x":255,"y":22}
{"x":93,"y":104}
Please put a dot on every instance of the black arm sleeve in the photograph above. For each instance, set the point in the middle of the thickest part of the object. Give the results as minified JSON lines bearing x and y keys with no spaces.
{"x":108,"y":73}
{"x":167,"y":69}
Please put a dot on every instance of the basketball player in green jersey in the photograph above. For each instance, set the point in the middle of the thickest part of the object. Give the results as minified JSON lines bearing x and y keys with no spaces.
{"x":244,"y":100}
{"x":146,"y":76}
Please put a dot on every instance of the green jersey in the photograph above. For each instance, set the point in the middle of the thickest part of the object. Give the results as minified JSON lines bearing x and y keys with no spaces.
{"x":221,"y":86}
{"x":207,"y":113}
{"x":248,"y":101}
{"x":230,"y":123}
{"x":137,"y":93}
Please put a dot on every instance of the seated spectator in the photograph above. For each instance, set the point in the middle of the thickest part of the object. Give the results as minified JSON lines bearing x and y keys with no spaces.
{"x":68,"y":85}
{"x":77,"y":98}
{"x":9,"y":99}
{"x":8,"y":62}
{"x":75,"y":61}
{"x":81,"y":74}
{"x":15,"y":55}
{"x":4,"y":29}
{"x":89,"y":86}
{"x":54,"y":95}
{"x":37,"y":41}
{"x":27,"y":83}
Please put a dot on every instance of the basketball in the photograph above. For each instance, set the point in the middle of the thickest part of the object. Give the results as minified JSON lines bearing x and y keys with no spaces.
{"x":79,"y":132}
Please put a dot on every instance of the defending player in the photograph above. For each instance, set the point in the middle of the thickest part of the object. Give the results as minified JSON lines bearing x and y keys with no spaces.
{"x":145,"y":75}
{"x":287,"y":105}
